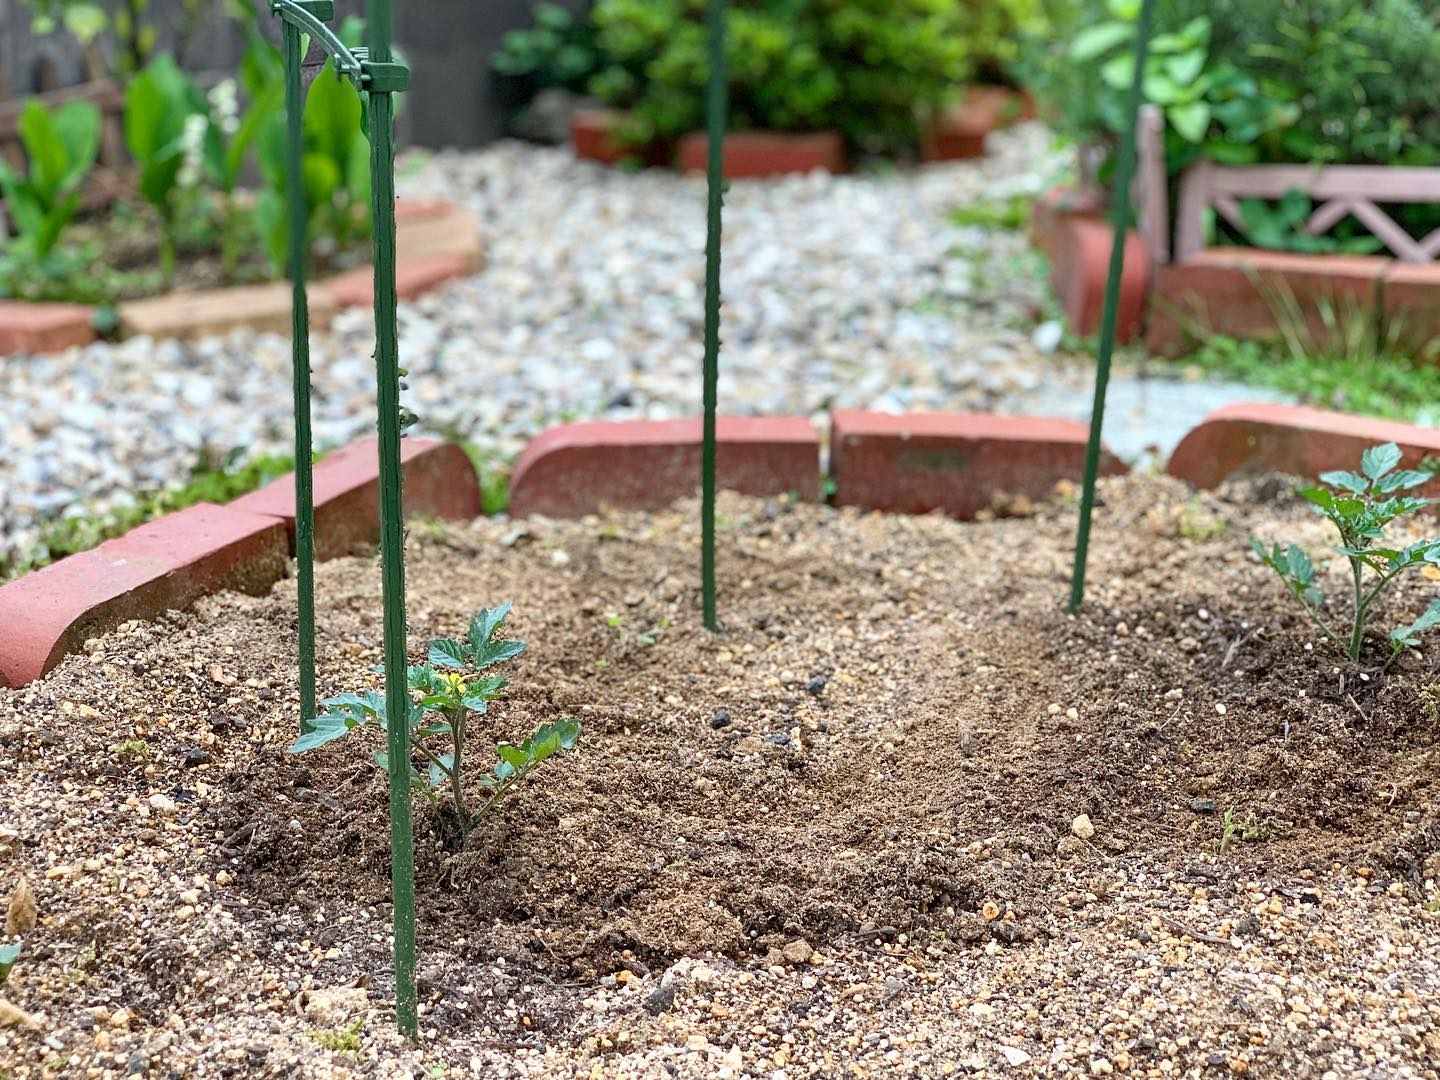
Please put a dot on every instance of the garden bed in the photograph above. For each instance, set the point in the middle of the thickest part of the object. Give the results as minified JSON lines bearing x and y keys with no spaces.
{"x":842,"y":833}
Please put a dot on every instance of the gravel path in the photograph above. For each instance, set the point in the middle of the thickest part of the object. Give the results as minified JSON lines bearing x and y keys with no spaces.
{"x":854,"y":291}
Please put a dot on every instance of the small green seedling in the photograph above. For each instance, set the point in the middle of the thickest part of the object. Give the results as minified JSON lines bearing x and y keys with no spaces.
{"x":339,"y":1040}
{"x":445,"y":692}
{"x":1360,"y":505}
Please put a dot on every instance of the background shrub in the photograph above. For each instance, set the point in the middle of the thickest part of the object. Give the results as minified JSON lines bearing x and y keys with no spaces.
{"x":868,"y":67}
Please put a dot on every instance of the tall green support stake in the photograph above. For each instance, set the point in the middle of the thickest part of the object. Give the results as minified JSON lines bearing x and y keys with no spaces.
{"x":716,"y":107}
{"x":383,"y":77}
{"x":378,"y":75}
{"x":300,"y":361}
{"x":1120,"y":217}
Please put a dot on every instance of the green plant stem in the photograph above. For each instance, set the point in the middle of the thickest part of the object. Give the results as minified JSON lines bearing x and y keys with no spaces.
{"x":457,"y":741}
{"x":1320,"y":623}
{"x":1357,"y":630}
{"x":167,"y":250}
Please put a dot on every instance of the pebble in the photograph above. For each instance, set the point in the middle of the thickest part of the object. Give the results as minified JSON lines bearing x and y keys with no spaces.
{"x":1082,"y":827}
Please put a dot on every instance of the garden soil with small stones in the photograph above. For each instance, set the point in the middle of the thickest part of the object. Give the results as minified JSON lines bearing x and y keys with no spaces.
{"x":903,"y":817}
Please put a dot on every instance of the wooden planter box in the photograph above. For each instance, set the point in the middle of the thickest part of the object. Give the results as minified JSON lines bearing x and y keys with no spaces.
{"x":755,"y":154}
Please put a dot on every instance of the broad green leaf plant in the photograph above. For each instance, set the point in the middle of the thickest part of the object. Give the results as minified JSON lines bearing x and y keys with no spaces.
{"x":1360,"y":505}
{"x":60,"y":149}
{"x":159,"y":105}
{"x":446,"y":691}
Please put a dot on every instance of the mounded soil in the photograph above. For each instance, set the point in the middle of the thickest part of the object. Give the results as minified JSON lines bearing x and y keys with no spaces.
{"x":871,"y":778}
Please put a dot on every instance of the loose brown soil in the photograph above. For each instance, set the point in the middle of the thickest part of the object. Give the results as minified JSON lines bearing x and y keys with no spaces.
{"x":838,"y":839}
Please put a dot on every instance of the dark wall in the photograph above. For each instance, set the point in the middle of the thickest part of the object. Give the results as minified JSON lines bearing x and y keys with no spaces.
{"x":447,"y":42}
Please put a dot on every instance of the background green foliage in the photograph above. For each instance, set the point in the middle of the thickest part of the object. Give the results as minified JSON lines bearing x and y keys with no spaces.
{"x":1246,"y":82}
{"x":868,"y":67}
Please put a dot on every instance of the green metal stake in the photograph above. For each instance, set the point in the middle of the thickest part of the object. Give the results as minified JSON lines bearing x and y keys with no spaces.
{"x":717,"y":103}
{"x":1120,"y":217}
{"x":300,"y":359}
{"x":382,"y":78}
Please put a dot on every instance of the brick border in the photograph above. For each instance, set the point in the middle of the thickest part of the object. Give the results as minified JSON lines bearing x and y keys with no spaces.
{"x":437,"y":242}
{"x":439,"y":480}
{"x":172,"y":561}
{"x":1247,"y":438}
{"x":958,"y":463}
{"x":579,"y":469}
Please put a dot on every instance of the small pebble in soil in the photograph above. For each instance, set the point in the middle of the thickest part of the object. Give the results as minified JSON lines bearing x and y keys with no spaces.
{"x":1203,"y":806}
{"x":1082,"y":827}
{"x":194,"y":758}
{"x":720,"y":719}
{"x":817,"y":685}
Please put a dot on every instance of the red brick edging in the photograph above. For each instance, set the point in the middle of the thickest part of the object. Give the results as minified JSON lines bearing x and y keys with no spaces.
{"x":176,"y":559}
{"x":757,"y":154}
{"x":578,"y":469}
{"x":1254,"y":438}
{"x":960,"y":463}
{"x":436,"y":242}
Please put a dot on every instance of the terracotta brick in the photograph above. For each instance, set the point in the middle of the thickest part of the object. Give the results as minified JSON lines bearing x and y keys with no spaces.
{"x":435,"y":242}
{"x":1057,"y":207}
{"x":166,"y":563}
{"x":454,"y":233}
{"x":413,"y":277}
{"x":590,"y":137}
{"x":1251,"y":438}
{"x":1080,"y":267}
{"x":191,"y":315}
{"x":582,"y":468}
{"x":1235,"y":291}
{"x":954,"y":462}
{"x":439,"y":481}
{"x":758,"y":154}
{"x":42,"y":328}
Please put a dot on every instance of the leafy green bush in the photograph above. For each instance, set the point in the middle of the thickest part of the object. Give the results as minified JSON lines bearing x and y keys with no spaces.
{"x":60,"y":149}
{"x":1360,"y":505}
{"x":446,"y":691}
{"x":1286,"y":81}
{"x":867,"y":67}
{"x":559,"y":50}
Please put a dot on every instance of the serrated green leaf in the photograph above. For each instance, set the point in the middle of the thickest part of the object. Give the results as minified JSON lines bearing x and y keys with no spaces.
{"x":485,"y":622}
{"x":1400,"y":481}
{"x":447,"y":652}
{"x":1350,"y":481}
{"x":515,"y":757}
{"x":495,"y":652}
{"x":1379,"y":460}
{"x":1298,"y":565}
{"x":1428,"y":620}
{"x":324,"y":729}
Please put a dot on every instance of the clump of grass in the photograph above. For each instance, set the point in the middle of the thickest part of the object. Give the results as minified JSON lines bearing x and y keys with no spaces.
{"x":1008,"y":214}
